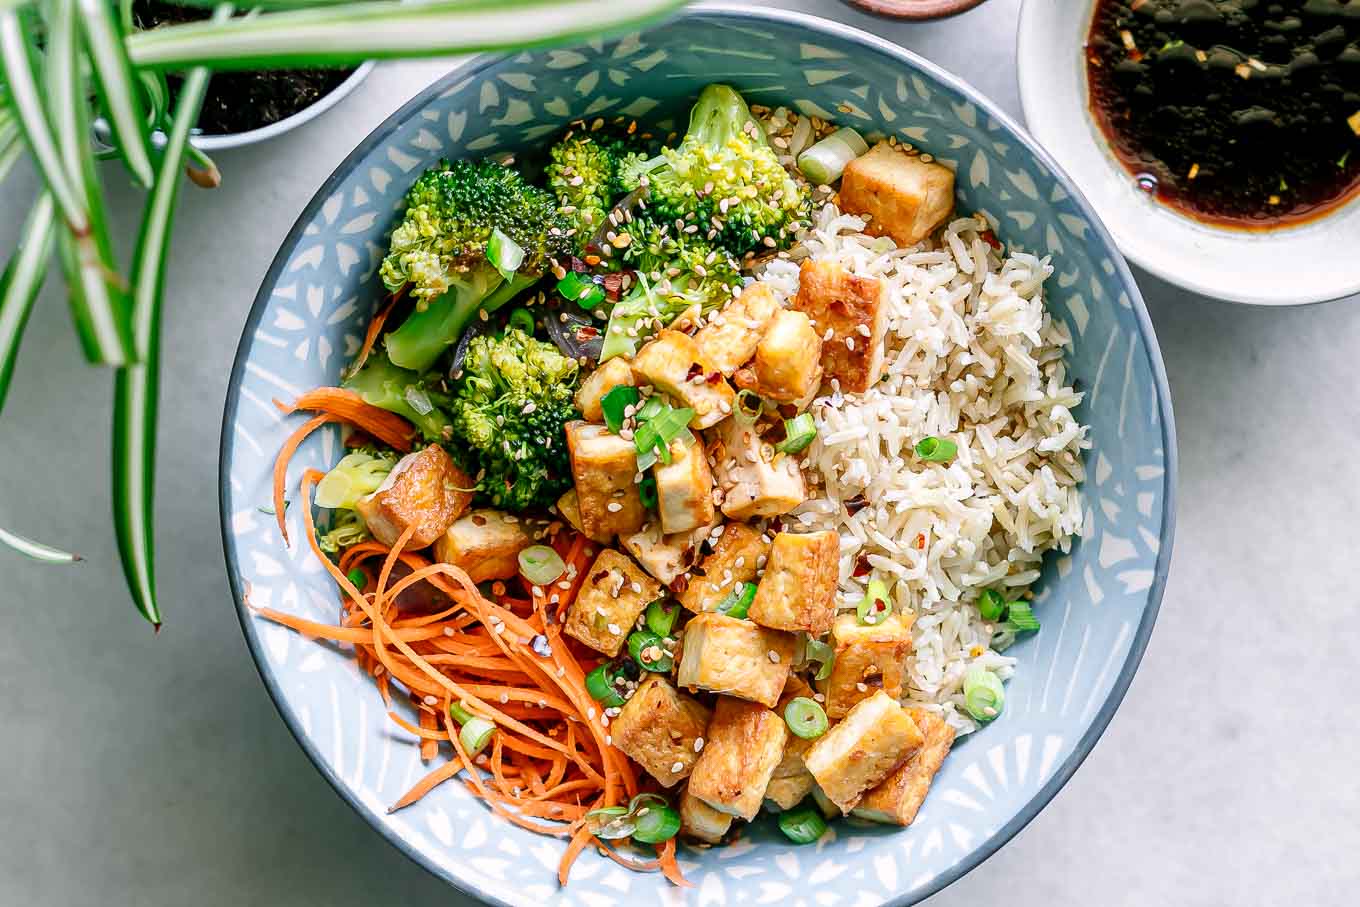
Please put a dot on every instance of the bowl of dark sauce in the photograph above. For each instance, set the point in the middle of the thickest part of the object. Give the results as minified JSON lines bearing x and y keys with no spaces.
{"x":1218,"y":139}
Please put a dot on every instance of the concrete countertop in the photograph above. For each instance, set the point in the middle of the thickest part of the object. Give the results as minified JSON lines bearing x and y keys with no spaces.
{"x":155,"y":771}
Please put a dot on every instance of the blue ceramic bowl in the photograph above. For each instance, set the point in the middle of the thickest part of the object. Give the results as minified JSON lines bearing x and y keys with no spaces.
{"x":1097,"y":604}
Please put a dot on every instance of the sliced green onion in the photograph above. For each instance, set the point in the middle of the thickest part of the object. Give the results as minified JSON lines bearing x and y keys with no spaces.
{"x":504,"y":254}
{"x":521,"y":319}
{"x":581,"y":290}
{"x":802,"y":824}
{"x":983,"y":695}
{"x":661,"y":617}
{"x":825,"y":161}
{"x":936,"y":450}
{"x":748,"y":407}
{"x":642,"y":642}
{"x":738,"y":601}
{"x":647,"y":492}
{"x":356,"y":578}
{"x":1003,"y":637}
{"x":654,"y":437}
{"x":600,"y":686}
{"x":655,"y":824}
{"x":1022,"y":616}
{"x":819,"y":653}
{"x":875,"y":606}
{"x":476,"y":735}
{"x":459,"y":714}
{"x":805,"y":718}
{"x":653,"y":407}
{"x":541,"y":565}
{"x":610,"y":823}
{"x":614,"y":403}
{"x":355,"y":476}
{"x":798,"y":434}
{"x":991,"y":605}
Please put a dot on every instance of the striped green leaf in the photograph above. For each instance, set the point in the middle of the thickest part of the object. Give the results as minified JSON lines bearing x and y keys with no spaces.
{"x":118,"y":86}
{"x":20,"y":284}
{"x":352,"y":32}
{"x":36,"y":550}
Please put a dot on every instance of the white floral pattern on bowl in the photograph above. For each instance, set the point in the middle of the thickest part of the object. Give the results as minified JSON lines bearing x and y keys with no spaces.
{"x":1098,"y":604}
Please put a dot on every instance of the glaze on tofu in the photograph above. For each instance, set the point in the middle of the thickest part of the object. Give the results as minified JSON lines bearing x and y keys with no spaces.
{"x":657,"y":728}
{"x":569,"y":508}
{"x":722,"y":654}
{"x":862,"y":749}
{"x":736,"y":557}
{"x":665,"y":557}
{"x":754,"y":480}
{"x":485,"y":544}
{"x":614,"y":593}
{"x":612,"y":373}
{"x":673,"y":363}
{"x":905,"y":197}
{"x":798,"y":590}
{"x":731,"y":336}
{"x":869,"y":657}
{"x":603,"y":466}
{"x":744,"y":745}
{"x":851,"y":309}
{"x":787,"y":367}
{"x":898,"y":798}
{"x":684,"y":488}
{"x":424,"y":492}
{"x":702,"y":822}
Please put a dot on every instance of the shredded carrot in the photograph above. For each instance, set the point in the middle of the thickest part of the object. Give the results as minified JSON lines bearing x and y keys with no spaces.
{"x":281,"y":468}
{"x":348,"y":406}
{"x":670,"y":867}
{"x":375,"y":330}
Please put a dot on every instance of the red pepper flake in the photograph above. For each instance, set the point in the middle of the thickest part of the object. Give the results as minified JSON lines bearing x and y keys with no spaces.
{"x":990,"y":239}
{"x":855,"y":504}
{"x":587,"y":332}
{"x":714,"y":377}
{"x":578,"y":265}
{"x":679,"y":585}
{"x":613,"y":285}
{"x":921,"y":541}
{"x":862,"y":567}
{"x":603,"y":574}
{"x":695,"y":370}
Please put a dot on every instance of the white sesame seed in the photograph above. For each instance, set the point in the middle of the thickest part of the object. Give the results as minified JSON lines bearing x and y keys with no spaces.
{"x":614,"y":629}
{"x":430,"y":700}
{"x":614,"y":507}
{"x":677,"y":767}
{"x":774,"y":656}
{"x":698,"y":744}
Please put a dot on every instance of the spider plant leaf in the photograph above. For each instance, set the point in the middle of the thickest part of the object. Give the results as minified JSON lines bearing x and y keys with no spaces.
{"x":11,"y":149}
{"x":26,"y":102}
{"x":349,"y":33}
{"x":20,"y":284}
{"x":119,"y":88}
{"x":36,"y":550}
{"x":136,"y":389}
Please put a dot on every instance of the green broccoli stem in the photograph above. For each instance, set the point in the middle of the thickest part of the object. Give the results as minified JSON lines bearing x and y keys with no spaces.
{"x":384,"y":385}
{"x":721,"y":114}
{"x":429,"y":331}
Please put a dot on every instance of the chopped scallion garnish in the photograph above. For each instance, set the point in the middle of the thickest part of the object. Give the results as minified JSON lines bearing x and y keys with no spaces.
{"x":661,"y":617}
{"x":798,"y":434}
{"x":541,"y":565}
{"x":936,"y":450}
{"x":648,"y":651}
{"x":738,"y":601}
{"x":1022,"y":616}
{"x":521,"y":319}
{"x":614,"y":404}
{"x":805,"y":718}
{"x":656,"y":824}
{"x":802,"y":825}
{"x":581,"y":290}
{"x":600,"y":686}
{"x":825,"y":161}
{"x":983,"y":695}
{"x":991,"y":605}
{"x":875,"y":606}
{"x":504,"y":254}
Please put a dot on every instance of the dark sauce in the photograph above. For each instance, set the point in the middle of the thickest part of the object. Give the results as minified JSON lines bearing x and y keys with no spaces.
{"x":1244,"y":113}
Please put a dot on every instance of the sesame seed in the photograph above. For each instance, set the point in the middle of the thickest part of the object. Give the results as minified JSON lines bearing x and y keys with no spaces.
{"x":430,"y":700}
{"x":677,"y":767}
{"x":861,"y":687}
{"x":698,"y":744}
{"x":614,"y":507}
{"x":774,"y":656}
{"x":614,"y":629}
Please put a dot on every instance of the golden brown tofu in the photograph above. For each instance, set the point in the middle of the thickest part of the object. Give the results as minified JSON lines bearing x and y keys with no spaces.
{"x":684,"y":488}
{"x":755,"y":481}
{"x":744,"y":745}
{"x":851,"y":310}
{"x":603,"y":466}
{"x":868,"y":658}
{"x":737,"y":554}
{"x":899,"y":797}
{"x":905,"y":197}
{"x":614,"y":593}
{"x":722,"y":654}
{"x":424,"y":491}
{"x":665,"y":557}
{"x":798,"y":590}
{"x":672,"y":363}
{"x":862,"y":750}
{"x":484,"y":543}
{"x":791,"y":781}
{"x":828,"y":809}
{"x":611,"y":374}
{"x":788,"y":363}
{"x":731,"y":335}
{"x":700,"y":821}
{"x":657,"y":728}
{"x":569,"y":507}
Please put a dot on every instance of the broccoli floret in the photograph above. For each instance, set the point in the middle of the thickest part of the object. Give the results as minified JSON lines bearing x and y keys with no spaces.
{"x":675,"y":272}
{"x":723,"y":178}
{"x":384,"y":385}
{"x":443,"y":245}
{"x":509,"y":407}
{"x":584,"y":172}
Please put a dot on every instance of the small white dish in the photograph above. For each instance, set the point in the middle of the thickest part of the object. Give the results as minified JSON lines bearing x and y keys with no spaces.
{"x":1313,"y":262}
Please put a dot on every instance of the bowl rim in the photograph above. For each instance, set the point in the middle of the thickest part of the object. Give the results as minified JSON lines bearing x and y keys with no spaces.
{"x":1031,"y":91}
{"x":756,"y":15}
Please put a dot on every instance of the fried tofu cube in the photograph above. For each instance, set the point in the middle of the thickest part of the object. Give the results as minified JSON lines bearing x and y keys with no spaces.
{"x":702,"y":822}
{"x":731,"y":336}
{"x":737,"y":554}
{"x":684,"y":488}
{"x":828,"y":809}
{"x":898,"y":798}
{"x":868,"y":658}
{"x":569,"y":507}
{"x":734,"y":657}
{"x":904,"y":197}
{"x":603,"y":466}
{"x":485,"y":544}
{"x":791,"y":781}
{"x":657,"y":727}
{"x":673,"y":363}
{"x":612,"y":373}
{"x":788,"y":362}
{"x":798,"y":590}
{"x":863,"y":749}
{"x":614,"y":593}
{"x":852,"y":309}
{"x":745,"y":743}
{"x":754,"y":481}
{"x":424,"y":492}
{"x":665,"y":557}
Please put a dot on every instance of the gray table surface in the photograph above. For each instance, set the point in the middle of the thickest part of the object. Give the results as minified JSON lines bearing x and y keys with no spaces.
{"x":141,"y":770}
